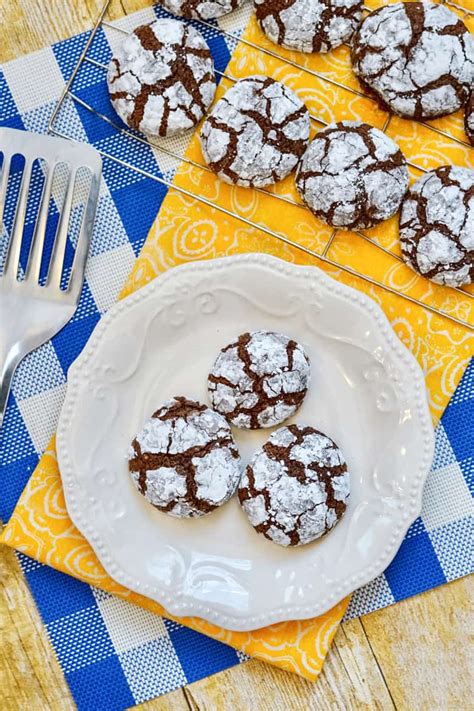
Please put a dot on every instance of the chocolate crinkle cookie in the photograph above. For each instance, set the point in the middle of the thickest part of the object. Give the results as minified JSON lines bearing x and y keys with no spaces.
{"x":352,"y":175}
{"x":469,"y":118}
{"x":161,"y":80}
{"x":256,"y":132}
{"x":184,"y":461}
{"x":200,"y":9}
{"x":437,"y":226}
{"x":418,"y":58}
{"x":259,"y":380}
{"x":309,"y":25}
{"x":296,"y":487}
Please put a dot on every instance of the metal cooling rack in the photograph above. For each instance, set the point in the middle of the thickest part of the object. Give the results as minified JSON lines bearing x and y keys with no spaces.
{"x":68,"y":94}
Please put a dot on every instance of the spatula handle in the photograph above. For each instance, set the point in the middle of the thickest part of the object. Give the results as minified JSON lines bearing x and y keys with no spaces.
{"x":8,"y":365}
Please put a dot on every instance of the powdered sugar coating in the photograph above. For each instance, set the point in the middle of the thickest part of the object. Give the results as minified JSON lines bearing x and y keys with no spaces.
{"x":418,"y":57}
{"x":256,"y":132}
{"x":352,"y":175}
{"x":296,"y":487}
{"x":161,"y":80}
{"x":437,"y":226}
{"x":309,"y":25}
{"x":259,"y":380}
{"x":200,"y":9}
{"x":184,"y":460}
{"x":469,"y":118}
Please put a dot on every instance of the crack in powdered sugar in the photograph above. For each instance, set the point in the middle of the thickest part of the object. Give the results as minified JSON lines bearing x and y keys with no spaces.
{"x":256,"y":132}
{"x":200,"y":9}
{"x":296,"y":487}
{"x":309,"y":25}
{"x":161,"y":80}
{"x":259,"y":380}
{"x":418,"y":58}
{"x":352,"y":175}
{"x":437,"y":226}
{"x":184,"y":461}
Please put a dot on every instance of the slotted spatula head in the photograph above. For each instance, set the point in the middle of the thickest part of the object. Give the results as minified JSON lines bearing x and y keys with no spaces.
{"x":32,"y":312}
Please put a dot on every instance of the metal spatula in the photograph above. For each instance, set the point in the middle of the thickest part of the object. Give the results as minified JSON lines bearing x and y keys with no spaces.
{"x":32,"y":312}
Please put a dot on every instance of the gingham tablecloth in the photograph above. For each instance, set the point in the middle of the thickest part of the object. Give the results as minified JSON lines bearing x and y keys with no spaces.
{"x":114,"y":654}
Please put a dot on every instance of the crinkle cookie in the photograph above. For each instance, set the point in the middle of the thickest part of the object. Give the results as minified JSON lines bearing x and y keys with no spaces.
{"x":184,"y":461}
{"x":352,"y":175}
{"x":437,"y":226}
{"x":469,"y":118}
{"x":309,"y":25}
{"x":200,"y":9}
{"x":296,"y":487}
{"x":259,"y":380}
{"x":256,"y":132}
{"x":418,"y":58}
{"x":161,"y":80}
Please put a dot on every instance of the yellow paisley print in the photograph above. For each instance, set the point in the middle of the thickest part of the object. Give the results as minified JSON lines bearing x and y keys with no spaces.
{"x":188,"y":229}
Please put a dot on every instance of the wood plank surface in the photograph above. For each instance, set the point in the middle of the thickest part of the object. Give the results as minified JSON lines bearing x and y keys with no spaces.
{"x":412,"y":656}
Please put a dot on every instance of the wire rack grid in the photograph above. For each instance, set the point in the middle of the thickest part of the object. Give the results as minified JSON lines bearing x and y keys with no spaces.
{"x":69,"y":95}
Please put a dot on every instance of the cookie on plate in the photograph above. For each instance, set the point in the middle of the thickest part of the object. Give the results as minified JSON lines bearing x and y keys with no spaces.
{"x":161,"y":80}
{"x":469,"y":118}
{"x":437,"y":226}
{"x":296,"y":487}
{"x":309,"y":25}
{"x":418,"y":58}
{"x":256,"y":132}
{"x":259,"y":380}
{"x":352,"y":175}
{"x":200,"y":9}
{"x":184,"y":460}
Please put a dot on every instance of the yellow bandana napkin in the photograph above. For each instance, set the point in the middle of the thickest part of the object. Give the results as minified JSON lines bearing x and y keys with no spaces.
{"x":187,"y":230}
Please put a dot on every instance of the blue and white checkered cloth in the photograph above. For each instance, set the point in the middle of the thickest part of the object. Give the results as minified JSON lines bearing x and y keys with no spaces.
{"x":114,"y":654}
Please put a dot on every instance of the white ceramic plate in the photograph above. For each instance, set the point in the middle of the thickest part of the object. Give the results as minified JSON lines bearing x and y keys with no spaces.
{"x":367,"y":393}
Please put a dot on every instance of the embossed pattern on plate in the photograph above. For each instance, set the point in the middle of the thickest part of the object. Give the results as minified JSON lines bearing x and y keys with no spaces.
{"x":367,"y":393}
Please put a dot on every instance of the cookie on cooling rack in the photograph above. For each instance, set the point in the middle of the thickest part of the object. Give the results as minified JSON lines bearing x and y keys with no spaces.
{"x":418,"y":58}
{"x":437,"y":226}
{"x":469,"y":118}
{"x":184,"y":460}
{"x":200,"y":9}
{"x":296,"y":487}
{"x":352,"y":175}
{"x":309,"y":25}
{"x":259,"y":380}
{"x":256,"y":132}
{"x":161,"y":80}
